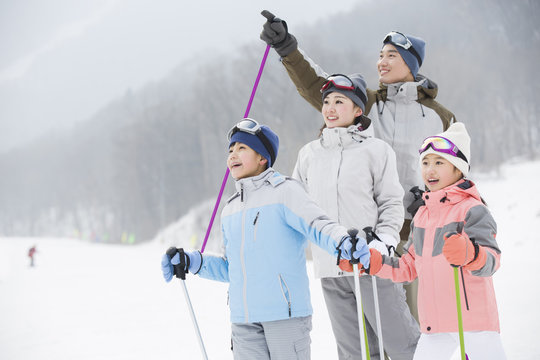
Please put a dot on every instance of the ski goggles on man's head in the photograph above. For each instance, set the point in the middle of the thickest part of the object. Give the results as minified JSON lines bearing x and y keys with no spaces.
{"x":399,"y":39}
{"x":252,"y":127}
{"x":343,"y":82}
{"x":441,"y":144}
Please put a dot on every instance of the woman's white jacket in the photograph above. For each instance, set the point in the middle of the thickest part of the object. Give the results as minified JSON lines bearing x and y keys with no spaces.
{"x":353,"y":177}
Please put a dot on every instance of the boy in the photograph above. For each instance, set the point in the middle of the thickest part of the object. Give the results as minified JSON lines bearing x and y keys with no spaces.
{"x":265,"y":225}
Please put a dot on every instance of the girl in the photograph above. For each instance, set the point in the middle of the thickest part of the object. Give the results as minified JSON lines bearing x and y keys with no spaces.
{"x":453,"y":228}
{"x":353,"y":177}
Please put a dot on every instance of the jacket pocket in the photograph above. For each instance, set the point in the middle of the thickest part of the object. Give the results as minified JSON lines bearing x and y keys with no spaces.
{"x":285,"y":293}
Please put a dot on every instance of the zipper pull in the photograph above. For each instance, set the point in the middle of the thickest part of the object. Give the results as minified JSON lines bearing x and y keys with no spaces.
{"x":256,"y":217}
{"x":241,"y":193}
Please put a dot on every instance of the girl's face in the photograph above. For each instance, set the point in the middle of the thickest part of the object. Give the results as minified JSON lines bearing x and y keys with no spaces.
{"x":391,"y":66}
{"x":339,"y":111}
{"x":438,"y":173}
{"x":244,"y":162}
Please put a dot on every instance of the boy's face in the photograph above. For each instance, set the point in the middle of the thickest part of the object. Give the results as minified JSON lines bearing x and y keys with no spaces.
{"x":391,"y":66}
{"x":244,"y":162}
{"x":339,"y":111}
{"x":438,"y":173}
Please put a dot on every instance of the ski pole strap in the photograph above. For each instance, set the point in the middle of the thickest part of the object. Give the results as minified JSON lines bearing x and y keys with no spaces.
{"x":338,"y":248}
{"x":371,"y":235}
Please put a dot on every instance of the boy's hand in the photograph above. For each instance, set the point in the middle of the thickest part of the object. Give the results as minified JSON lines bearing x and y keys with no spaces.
{"x":276,"y":34}
{"x":361,"y":252}
{"x":459,"y":250}
{"x":179,"y":263}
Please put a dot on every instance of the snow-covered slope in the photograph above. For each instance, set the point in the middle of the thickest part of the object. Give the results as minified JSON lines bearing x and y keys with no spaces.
{"x":94,"y":301}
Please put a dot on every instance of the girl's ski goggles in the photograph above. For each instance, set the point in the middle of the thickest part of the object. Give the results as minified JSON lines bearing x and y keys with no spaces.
{"x":398,"y":39}
{"x":343,"y":82}
{"x":441,"y":144}
{"x":252,"y":127}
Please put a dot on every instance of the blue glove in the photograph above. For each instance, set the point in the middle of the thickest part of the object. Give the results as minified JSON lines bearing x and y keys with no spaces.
{"x":361,"y":253}
{"x":180,"y":263}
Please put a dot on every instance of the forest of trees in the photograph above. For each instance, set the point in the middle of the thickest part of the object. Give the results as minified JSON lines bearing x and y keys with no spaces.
{"x":147,"y":158}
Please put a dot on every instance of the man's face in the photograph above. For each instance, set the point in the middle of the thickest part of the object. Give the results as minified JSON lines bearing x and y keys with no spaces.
{"x":391,"y":66}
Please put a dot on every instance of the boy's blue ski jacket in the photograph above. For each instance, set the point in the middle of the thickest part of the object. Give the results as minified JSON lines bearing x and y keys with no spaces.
{"x":265,"y":227}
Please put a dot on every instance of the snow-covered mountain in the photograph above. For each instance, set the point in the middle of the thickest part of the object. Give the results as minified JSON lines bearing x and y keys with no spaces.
{"x":90,"y":301}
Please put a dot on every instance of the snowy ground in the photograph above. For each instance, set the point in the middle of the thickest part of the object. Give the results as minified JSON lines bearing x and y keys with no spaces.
{"x":94,"y":301}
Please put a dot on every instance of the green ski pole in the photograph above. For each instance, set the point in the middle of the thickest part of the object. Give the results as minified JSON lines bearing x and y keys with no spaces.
{"x":460,"y":320}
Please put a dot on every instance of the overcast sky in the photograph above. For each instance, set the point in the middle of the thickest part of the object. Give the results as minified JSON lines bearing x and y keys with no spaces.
{"x":62,"y":60}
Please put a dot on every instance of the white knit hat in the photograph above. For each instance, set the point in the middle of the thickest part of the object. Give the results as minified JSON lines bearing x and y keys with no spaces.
{"x":457,"y":134}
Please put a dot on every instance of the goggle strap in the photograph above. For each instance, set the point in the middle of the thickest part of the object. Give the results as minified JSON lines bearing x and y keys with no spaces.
{"x":268,"y":147}
{"x":388,"y":39}
{"x":413,"y":51}
{"x":261,"y":137}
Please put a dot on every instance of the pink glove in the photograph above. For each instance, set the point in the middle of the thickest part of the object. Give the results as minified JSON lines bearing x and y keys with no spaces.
{"x":459,"y":250}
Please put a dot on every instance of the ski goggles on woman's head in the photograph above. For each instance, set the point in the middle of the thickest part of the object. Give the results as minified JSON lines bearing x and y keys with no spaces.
{"x":343,"y":82}
{"x":441,"y":144}
{"x":252,"y":127}
{"x":399,"y":39}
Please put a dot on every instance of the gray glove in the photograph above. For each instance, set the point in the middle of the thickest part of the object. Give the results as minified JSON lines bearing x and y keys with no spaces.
{"x":275,"y":34}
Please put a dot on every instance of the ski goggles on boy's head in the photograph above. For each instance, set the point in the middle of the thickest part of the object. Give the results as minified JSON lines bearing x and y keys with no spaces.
{"x":441,"y":144}
{"x":247,"y":125}
{"x":399,"y":39}
{"x":343,"y":82}
{"x":252,"y":127}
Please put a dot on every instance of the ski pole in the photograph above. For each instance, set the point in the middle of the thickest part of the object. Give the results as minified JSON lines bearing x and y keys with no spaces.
{"x":226,"y":176}
{"x":369,"y":238}
{"x":194,"y":321}
{"x":460,"y":320}
{"x":359,"y":309}
{"x":180,"y":273}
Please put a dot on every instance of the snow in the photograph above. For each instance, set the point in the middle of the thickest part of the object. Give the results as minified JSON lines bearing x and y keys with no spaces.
{"x":96,"y":301}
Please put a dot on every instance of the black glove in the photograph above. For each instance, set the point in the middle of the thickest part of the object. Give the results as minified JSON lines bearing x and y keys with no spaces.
{"x":275,"y":34}
{"x":417,"y":202}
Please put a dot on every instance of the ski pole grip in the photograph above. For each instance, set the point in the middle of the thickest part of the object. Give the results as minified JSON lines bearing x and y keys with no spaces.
{"x":178,"y":268}
{"x":171,"y":252}
{"x":354,"y":240}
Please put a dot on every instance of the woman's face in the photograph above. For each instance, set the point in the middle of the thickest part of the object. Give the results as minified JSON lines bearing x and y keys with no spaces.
{"x":339,"y":111}
{"x":391,"y":66}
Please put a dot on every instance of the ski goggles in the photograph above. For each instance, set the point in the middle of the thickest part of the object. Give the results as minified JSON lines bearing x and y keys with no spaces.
{"x":343,"y":82}
{"x":252,"y":127}
{"x":398,"y":39}
{"x":441,"y":144}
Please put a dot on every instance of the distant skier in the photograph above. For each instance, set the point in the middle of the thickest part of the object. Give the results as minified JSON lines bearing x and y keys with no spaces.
{"x":265,"y":228}
{"x":31,"y":253}
{"x":453,"y":229}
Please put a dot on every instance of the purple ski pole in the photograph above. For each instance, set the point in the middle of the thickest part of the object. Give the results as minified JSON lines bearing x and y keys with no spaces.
{"x":225,"y":178}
